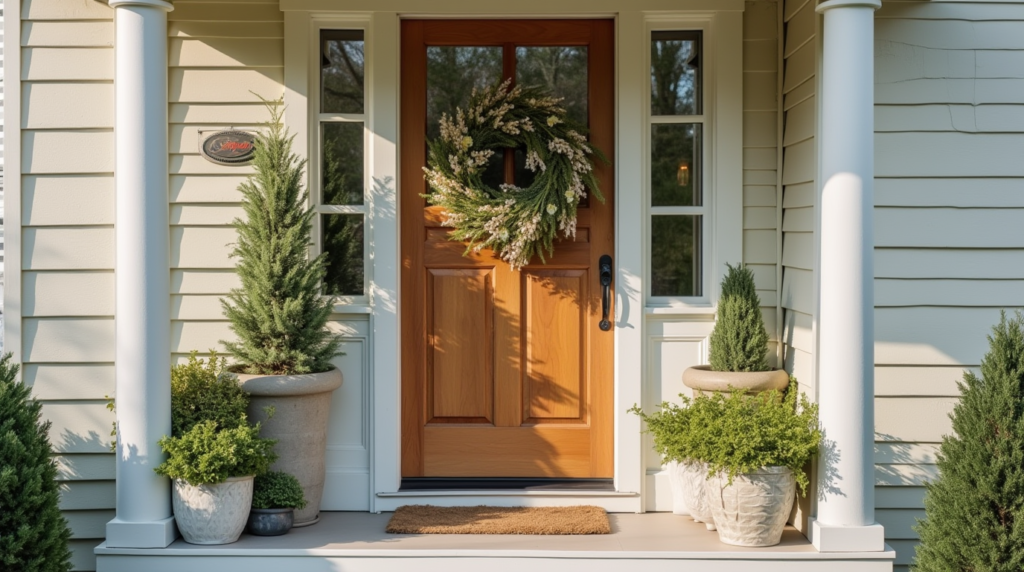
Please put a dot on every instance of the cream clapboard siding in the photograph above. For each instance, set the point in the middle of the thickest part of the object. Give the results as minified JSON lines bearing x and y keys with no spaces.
{"x":67,"y":239}
{"x":799,"y":171}
{"x":221,"y":56}
{"x":761,"y":151}
{"x":949,"y":124}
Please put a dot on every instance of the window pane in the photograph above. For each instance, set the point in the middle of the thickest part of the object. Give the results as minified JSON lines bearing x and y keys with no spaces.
{"x":341,"y":71}
{"x":675,"y":165}
{"x":676,"y":255}
{"x":675,"y":73}
{"x":343,"y":245}
{"x":562,"y":70}
{"x":342,"y":164}
{"x":452,"y":74}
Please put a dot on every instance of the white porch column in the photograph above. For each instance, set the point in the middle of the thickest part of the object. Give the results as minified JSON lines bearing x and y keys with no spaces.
{"x":845,"y":519}
{"x":142,"y":308}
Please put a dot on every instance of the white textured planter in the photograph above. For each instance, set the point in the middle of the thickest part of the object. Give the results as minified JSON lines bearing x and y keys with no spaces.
{"x":692,"y":477}
{"x":675,"y":481}
{"x":752,"y":511}
{"x":302,"y":406}
{"x":703,"y":380}
{"x":212,"y":514}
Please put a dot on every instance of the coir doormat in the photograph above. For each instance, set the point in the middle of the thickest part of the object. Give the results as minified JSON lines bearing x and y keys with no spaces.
{"x":428,"y":519}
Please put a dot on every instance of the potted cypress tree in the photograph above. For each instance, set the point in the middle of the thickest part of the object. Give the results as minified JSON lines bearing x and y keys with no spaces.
{"x":213,"y":453}
{"x":738,"y":348}
{"x":275,"y":498}
{"x":33,"y":534}
{"x":284,"y":349}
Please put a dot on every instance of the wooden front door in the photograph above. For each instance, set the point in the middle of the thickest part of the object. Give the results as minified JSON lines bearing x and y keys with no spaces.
{"x":504,"y":374}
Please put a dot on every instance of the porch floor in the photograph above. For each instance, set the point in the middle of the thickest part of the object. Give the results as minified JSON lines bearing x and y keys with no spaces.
{"x":356,"y":542}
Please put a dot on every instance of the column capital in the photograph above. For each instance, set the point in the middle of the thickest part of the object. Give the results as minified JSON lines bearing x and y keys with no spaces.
{"x":830,"y":4}
{"x":145,"y":3}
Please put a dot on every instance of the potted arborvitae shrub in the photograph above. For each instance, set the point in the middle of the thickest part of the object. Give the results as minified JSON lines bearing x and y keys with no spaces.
{"x":674,"y":441}
{"x":213,"y":453}
{"x":974,"y":511}
{"x":284,"y":350}
{"x":738,"y":347}
{"x":755,"y":448}
{"x":275,"y":497}
{"x":33,"y":534}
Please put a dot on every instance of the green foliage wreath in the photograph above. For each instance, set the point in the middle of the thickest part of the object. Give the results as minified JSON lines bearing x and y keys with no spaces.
{"x":515,"y":222}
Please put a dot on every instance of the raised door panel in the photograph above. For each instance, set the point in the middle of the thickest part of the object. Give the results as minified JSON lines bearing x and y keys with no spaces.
{"x":555,"y":358}
{"x":460,"y":349}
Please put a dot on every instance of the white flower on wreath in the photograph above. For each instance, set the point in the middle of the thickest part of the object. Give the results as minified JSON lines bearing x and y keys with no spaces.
{"x":553,"y":120}
{"x":467,"y":142}
{"x":552,"y":209}
{"x":569,"y":196}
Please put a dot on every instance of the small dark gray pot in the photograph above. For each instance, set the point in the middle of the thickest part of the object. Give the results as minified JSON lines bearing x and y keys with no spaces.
{"x":270,"y":521}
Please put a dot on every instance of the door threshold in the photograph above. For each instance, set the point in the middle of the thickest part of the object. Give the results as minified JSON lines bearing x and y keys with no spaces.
{"x":437,"y":485}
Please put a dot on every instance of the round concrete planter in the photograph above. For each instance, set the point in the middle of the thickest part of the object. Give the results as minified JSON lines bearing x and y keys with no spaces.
{"x":752,"y":511}
{"x":692,"y":476}
{"x":212,"y":514}
{"x":703,"y":380}
{"x":270,"y":521}
{"x":302,"y":406}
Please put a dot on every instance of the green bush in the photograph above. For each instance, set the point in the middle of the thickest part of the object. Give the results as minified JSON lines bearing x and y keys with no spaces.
{"x":277,"y":490}
{"x":974,"y":511}
{"x":278,"y":314}
{"x":33,"y":534}
{"x":739,"y":341}
{"x":203,"y":391}
{"x":739,"y":433}
{"x":206,"y":454}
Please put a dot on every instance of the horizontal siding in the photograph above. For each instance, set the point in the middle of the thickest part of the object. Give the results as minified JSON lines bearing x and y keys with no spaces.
{"x":949,"y":131}
{"x":67,"y":259}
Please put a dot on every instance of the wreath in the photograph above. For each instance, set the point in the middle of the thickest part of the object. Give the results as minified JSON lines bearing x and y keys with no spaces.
{"x":515,"y":222}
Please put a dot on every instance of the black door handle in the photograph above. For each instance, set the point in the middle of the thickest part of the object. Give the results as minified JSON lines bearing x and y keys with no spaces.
{"x":605,"y":268}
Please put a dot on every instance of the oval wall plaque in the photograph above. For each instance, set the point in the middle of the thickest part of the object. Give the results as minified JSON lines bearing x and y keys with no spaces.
{"x":232,"y":148}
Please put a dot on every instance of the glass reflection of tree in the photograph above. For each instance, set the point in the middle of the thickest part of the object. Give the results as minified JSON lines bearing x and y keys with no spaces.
{"x":343,"y":185}
{"x":675,"y":255}
{"x":342,"y":71}
{"x":673,"y":78}
{"x":560,"y":69}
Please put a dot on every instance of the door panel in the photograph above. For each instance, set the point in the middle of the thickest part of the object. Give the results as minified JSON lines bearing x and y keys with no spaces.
{"x":504,"y":374}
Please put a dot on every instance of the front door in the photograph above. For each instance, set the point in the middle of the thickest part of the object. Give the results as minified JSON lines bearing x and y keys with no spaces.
{"x":504,"y":373}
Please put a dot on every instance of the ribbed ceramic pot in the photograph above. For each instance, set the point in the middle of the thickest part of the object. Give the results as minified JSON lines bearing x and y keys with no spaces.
{"x":302,"y":407}
{"x":212,"y":514}
{"x":675,"y":481}
{"x":752,"y":511}
{"x":703,"y":380}
{"x":270,"y":521}
{"x":693,"y":475}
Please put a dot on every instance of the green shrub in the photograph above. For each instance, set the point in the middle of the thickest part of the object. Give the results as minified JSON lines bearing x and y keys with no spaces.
{"x":738,"y":433}
{"x":974,"y":511}
{"x":278,"y":313}
{"x":277,"y":490}
{"x":739,"y":341}
{"x":203,"y":391}
{"x":33,"y":534}
{"x":206,"y":454}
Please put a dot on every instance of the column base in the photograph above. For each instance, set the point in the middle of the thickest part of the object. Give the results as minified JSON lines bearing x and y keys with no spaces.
{"x":153,"y":534}
{"x":827,"y":538}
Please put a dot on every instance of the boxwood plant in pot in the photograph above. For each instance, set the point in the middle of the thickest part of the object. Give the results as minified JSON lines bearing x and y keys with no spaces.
{"x":675,"y":441}
{"x":275,"y":497}
{"x":755,"y":448}
{"x":284,"y":349}
{"x":738,"y":347}
{"x":213,"y":452}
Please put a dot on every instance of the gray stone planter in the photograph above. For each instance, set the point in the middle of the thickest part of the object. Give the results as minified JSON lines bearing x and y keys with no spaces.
{"x":702,"y":380}
{"x":212,"y":514}
{"x":270,"y":521}
{"x":752,"y":511}
{"x":302,"y":406}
